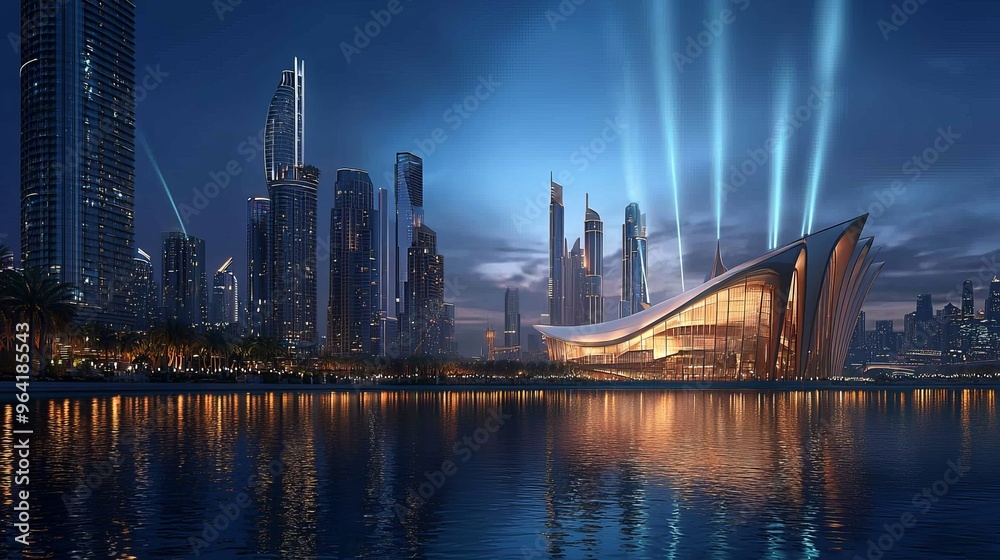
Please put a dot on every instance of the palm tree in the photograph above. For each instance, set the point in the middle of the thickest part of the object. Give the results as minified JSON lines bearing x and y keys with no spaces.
{"x":217,"y":345}
{"x":175,"y":340}
{"x":42,"y":302}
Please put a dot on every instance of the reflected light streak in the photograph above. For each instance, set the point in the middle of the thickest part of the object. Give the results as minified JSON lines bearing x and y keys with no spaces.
{"x":831,"y":24}
{"x":663,"y":21}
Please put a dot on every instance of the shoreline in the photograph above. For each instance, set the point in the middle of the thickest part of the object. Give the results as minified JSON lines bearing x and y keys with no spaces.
{"x":69,"y":389}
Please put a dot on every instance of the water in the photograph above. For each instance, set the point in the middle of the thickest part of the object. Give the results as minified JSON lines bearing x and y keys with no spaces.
{"x":569,"y":474}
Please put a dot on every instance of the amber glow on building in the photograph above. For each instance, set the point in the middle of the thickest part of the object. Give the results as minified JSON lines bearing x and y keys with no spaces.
{"x":786,"y":315}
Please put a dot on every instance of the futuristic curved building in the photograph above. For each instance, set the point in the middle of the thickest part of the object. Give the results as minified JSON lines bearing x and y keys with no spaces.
{"x":787,"y":315}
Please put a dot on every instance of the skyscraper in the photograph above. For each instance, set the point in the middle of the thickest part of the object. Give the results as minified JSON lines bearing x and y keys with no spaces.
{"x":409,"y":198}
{"x":353,"y":318}
{"x":422,"y":319}
{"x":185,"y":289}
{"x":143,"y":298}
{"x":284,"y":131}
{"x":292,"y":240}
{"x":593,"y":255}
{"x":511,"y":318}
{"x":382,"y":222}
{"x":78,"y":149}
{"x":574,"y":286}
{"x":557,"y":255}
{"x":258,"y":266}
{"x":857,"y":352}
{"x":635,"y":293}
{"x":925,"y":309}
{"x":291,"y":235}
{"x":993,"y":302}
{"x":225,"y":297}
{"x":968,"y":299}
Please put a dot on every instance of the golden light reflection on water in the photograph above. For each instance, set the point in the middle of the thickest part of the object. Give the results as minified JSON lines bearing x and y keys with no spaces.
{"x":322,"y":471}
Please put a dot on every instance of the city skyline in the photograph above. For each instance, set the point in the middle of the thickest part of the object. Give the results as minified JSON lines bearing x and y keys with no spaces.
{"x":949,"y":252}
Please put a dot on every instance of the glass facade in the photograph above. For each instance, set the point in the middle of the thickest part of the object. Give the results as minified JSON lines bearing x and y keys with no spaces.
{"x":284,"y":131}
{"x":422,"y":321}
{"x":557,"y":256}
{"x":225,"y":297}
{"x":258,"y":266}
{"x":292,"y":243}
{"x":353,"y":318}
{"x":185,"y":288}
{"x":78,"y":149}
{"x":786,"y":316}
{"x":143,"y":297}
{"x":409,"y":177}
{"x":593,"y":256}
{"x":635,"y":293}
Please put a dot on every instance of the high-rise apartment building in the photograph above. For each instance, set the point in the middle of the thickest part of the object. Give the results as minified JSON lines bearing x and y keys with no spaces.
{"x":422,"y":319}
{"x":225,"y":297}
{"x":258,"y":286}
{"x":143,"y":296}
{"x":557,"y":255}
{"x":593,"y":255}
{"x":184,"y":282}
{"x":511,"y":318}
{"x":78,"y":150}
{"x":292,"y":240}
{"x":409,"y":199}
{"x":635,"y":291}
{"x":354,"y":327}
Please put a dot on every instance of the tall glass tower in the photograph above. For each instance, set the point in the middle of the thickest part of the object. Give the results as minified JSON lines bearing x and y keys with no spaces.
{"x":225,"y":297}
{"x":258,"y":266}
{"x":421,"y":323}
{"x":968,"y":299}
{"x":185,"y":290}
{"x":383,"y":271}
{"x":78,"y":149}
{"x":353,"y":318}
{"x":593,"y":257}
{"x":292,"y":240}
{"x":409,"y":175}
{"x":284,"y":131}
{"x":511,"y":318}
{"x":635,"y":293}
{"x":143,"y":297}
{"x":557,"y":255}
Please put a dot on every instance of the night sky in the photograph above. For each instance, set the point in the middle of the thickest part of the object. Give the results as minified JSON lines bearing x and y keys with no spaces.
{"x":556,"y":83}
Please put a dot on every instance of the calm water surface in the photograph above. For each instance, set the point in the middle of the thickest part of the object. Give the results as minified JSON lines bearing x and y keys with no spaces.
{"x":516,"y":474}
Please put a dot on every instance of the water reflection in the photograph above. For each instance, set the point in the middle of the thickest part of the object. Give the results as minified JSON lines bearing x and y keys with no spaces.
{"x":571,"y":474}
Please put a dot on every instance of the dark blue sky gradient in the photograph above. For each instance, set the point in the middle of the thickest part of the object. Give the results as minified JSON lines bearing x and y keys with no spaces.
{"x":486,"y":185}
